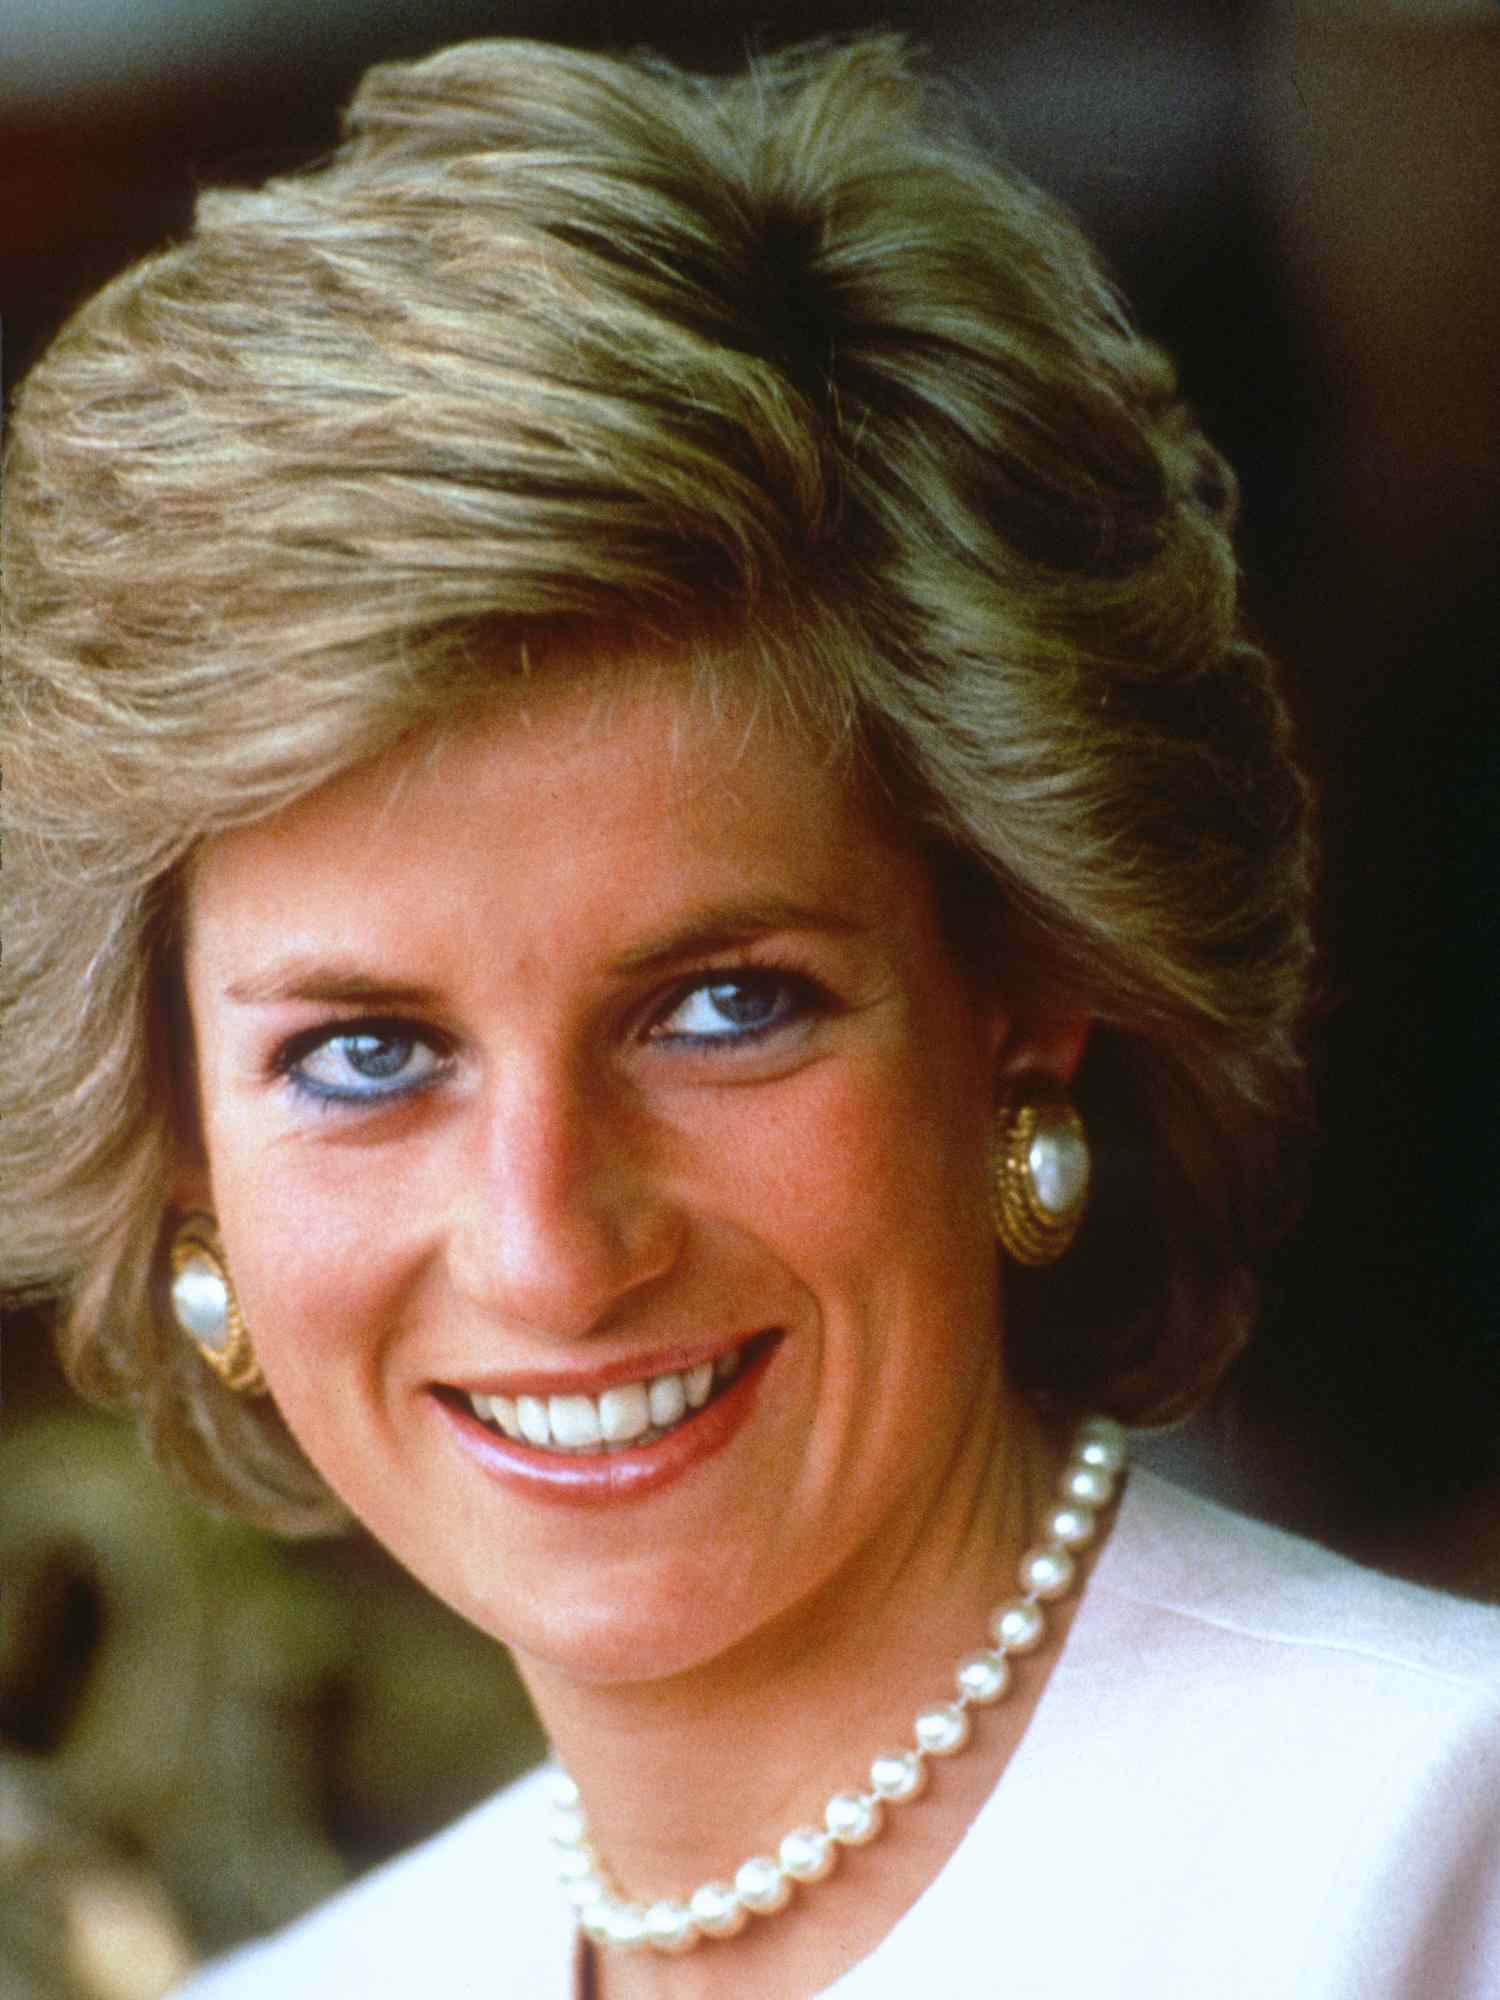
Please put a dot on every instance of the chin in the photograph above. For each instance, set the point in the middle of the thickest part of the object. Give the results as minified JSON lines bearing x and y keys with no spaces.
{"x":608,"y":1645}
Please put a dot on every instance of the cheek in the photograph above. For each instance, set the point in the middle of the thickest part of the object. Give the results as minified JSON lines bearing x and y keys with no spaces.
{"x":876,"y":1180}
{"x":322,"y":1290}
{"x":317,"y":1254}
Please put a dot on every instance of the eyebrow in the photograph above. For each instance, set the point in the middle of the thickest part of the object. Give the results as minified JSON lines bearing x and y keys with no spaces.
{"x":701,"y":933}
{"x":328,"y":981}
{"x":721,"y":926}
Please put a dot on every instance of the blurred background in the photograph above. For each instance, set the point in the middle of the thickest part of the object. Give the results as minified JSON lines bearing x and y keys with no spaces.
{"x":202,"y":1731}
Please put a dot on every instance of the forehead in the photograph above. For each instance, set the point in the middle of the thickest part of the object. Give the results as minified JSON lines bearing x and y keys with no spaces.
{"x":581,"y":789}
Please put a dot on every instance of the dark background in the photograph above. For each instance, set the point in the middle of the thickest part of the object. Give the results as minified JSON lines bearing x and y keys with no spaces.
{"x":1304,"y":204}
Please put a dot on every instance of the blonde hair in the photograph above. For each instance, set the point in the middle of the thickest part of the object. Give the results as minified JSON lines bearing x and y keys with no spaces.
{"x":558,"y":342}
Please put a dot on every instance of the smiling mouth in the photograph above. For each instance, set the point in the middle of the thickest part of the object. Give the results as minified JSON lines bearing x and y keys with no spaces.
{"x":623,"y":1418}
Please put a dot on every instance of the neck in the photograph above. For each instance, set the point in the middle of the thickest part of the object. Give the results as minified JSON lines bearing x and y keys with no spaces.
{"x":686,"y":1775}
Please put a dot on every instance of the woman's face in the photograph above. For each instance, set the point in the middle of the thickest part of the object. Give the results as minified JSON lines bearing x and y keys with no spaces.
{"x":607,"y":1061}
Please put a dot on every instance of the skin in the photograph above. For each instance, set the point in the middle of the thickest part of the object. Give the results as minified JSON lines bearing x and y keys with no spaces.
{"x":689,"y":1061}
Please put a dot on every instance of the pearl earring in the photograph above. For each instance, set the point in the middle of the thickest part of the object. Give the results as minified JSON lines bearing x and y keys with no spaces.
{"x":206,"y":1309}
{"x":1039,"y":1172}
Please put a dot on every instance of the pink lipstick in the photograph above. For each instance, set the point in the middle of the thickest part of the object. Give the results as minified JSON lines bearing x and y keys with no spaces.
{"x":605,"y":1474}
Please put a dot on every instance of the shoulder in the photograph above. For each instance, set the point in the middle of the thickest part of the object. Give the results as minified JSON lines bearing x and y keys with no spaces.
{"x":1199,"y":1568}
{"x":1226,"y":1633}
{"x":438,"y":1921}
{"x":1256,"y":1771}
{"x":1304,"y":1736}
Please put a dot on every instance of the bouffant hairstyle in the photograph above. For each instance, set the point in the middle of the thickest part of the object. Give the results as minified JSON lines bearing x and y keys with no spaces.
{"x":780,"y":371}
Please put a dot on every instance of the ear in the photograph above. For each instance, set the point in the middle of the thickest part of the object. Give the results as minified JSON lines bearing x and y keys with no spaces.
{"x":191,"y":1183}
{"x":1052,"y":1043}
{"x":193,"y":1193}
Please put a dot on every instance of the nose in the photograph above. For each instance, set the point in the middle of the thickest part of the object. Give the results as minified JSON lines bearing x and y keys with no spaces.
{"x":563,"y":1220}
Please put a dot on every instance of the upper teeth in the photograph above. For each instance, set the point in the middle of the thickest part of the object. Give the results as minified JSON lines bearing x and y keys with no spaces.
{"x":617,"y":1416}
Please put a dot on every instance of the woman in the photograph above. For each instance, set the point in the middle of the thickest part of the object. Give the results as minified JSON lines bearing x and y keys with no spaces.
{"x":630,"y":743}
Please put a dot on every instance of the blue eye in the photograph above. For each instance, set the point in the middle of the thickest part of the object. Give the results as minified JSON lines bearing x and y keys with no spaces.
{"x":738,"y":1007}
{"x":368,"y":1062}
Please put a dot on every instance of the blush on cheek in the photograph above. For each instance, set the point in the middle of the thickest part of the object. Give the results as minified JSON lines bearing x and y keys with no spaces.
{"x":904,"y":1215}
{"x":943,"y":1120}
{"x":310,"y":1284}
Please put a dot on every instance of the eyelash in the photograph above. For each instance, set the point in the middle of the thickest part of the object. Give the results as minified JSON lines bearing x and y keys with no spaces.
{"x":288,"y":1062}
{"x":801,"y":999}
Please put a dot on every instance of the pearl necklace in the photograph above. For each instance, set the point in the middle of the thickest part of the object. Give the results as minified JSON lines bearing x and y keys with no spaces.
{"x":854,"y":1818}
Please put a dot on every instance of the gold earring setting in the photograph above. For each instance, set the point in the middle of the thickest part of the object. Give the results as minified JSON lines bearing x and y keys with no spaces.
{"x":1040,"y":1173}
{"x":206,"y":1309}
